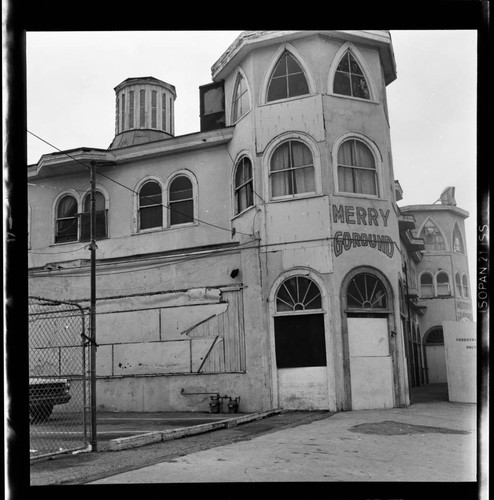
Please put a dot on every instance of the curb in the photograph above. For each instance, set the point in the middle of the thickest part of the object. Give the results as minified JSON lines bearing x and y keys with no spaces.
{"x":124,"y":443}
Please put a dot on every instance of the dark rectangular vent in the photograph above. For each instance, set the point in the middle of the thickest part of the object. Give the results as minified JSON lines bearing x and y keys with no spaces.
{"x":212,"y":106}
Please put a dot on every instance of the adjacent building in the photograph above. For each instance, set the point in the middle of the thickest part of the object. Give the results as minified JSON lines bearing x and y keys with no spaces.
{"x":264,"y":257}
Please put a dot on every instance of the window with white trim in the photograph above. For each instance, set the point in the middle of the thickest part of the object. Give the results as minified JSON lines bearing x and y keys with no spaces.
{"x":442,"y":284}
{"x":356,"y":168}
{"x":181,"y":202}
{"x":366,"y":291}
{"x":67,"y":220}
{"x":427,"y":285}
{"x":291,"y":170}
{"x":432,"y":237}
{"x":150,"y":206}
{"x":241,"y":101}
{"x":349,"y":78}
{"x":464,"y":281}
{"x":459,"y":291}
{"x":100,"y":216}
{"x":244,"y":191}
{"x":287,"y":80}
{"x":457,"y":240}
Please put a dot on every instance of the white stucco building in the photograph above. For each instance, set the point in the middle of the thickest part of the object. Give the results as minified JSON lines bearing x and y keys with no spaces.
{"x":264,"y":257}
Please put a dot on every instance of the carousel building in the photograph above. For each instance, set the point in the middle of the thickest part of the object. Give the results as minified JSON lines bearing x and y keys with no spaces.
{"x":264,"y":257}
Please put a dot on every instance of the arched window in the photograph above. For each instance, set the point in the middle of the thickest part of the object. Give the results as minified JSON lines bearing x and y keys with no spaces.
{"x":243,"y":185}
{"x":459,"y":291}
{"x":432,"y":237}
{"x":298,"y":294}
{"x":241,"y":102}
{"x":100,"y":213}
{"x":67,"y":223}
{"x":356,"y":168}
{"x":292,"y":170}
{"x":349,"y":78}
{"x":442,"y":283}
{"x":150,"y":206}
{"x":464,"y":281}
{"x":457,"y":240}
{"x":299,"y":324}
{"x":435,"y":336}
{"x":366,"y":291}
{"x":287,"y":79}
{"x":181,"y":202}
{"x":426,"y":285}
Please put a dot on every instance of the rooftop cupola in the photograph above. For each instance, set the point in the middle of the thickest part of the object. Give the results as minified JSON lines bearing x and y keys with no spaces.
{"x":144,"y":111}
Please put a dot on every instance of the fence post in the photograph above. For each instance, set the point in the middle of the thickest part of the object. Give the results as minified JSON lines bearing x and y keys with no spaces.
{"x":94,"y":444}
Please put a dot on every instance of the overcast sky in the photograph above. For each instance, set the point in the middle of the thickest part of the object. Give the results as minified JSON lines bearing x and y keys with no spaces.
{"x":432,"y":103}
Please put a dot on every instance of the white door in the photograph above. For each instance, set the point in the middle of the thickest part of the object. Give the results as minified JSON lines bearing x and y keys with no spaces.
{"x":436,"y":364}
{"x":371,"y":370}
{"x":301,"y":362}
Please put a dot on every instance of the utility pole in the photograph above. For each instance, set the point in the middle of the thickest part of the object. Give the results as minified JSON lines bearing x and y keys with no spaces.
{"x":92,"y":230}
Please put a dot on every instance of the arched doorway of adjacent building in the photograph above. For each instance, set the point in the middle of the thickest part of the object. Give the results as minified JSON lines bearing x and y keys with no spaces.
{"x":435,"y":356}
{"x":370,"y":348}
{"x":300,"y":344}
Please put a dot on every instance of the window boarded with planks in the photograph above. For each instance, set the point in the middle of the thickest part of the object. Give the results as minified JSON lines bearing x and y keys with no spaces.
{"x":225,"y":333}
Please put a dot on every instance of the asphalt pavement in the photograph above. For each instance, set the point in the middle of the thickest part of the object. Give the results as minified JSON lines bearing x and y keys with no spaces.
{"x":431,"y":441}
{"x":424,"y":442}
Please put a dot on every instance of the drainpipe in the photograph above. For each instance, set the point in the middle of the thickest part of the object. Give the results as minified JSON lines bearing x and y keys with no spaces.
{"x":405,"y":270}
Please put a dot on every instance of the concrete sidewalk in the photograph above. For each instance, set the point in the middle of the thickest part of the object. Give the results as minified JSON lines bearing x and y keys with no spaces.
{"x":433,"y":441}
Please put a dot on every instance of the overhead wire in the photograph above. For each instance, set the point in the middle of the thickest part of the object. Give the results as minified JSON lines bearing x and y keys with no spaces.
{"x":136,"y":193}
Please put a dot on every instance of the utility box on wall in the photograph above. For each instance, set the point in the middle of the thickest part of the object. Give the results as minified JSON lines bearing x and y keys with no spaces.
{"x":212,"y":106}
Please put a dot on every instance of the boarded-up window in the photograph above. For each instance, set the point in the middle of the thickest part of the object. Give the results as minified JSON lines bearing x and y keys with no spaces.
{"x":300,"y":341}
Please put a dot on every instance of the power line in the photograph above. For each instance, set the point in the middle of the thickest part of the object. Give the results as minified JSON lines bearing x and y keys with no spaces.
{"x":136,"y":193}
{"x":155,"y":266}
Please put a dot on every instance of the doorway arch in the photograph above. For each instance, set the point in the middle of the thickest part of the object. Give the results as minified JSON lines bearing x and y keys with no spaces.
{"x":435,"y":355}
{"x":302,"y":355}
{"x":369,"y":342}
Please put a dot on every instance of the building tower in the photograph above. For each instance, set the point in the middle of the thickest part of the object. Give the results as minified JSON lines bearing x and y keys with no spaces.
{"x":144,"y":111}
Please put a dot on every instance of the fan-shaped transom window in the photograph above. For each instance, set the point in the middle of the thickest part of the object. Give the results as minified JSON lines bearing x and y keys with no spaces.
{"x":292,"y":170}
{"x":435,"y":337}
{"x":287,"y":79}
{"x":241,"y":103}
{"x":181,"y":201}
{"x":457,"y":240}
{"x":366,"y":291}
{"x":243,"y":185}
{"x":356,"y":168}
{"x":100,"y":216}
{"x":67,"y":223}
{"x":432,"y":237}
{"x":150,"y":206}
{"x":442,"y":282}
{"x":298,"y":294}
{"x":349,"y":78}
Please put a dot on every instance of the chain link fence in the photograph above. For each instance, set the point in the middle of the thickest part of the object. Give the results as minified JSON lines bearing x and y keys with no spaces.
{"x":58,"y":381}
